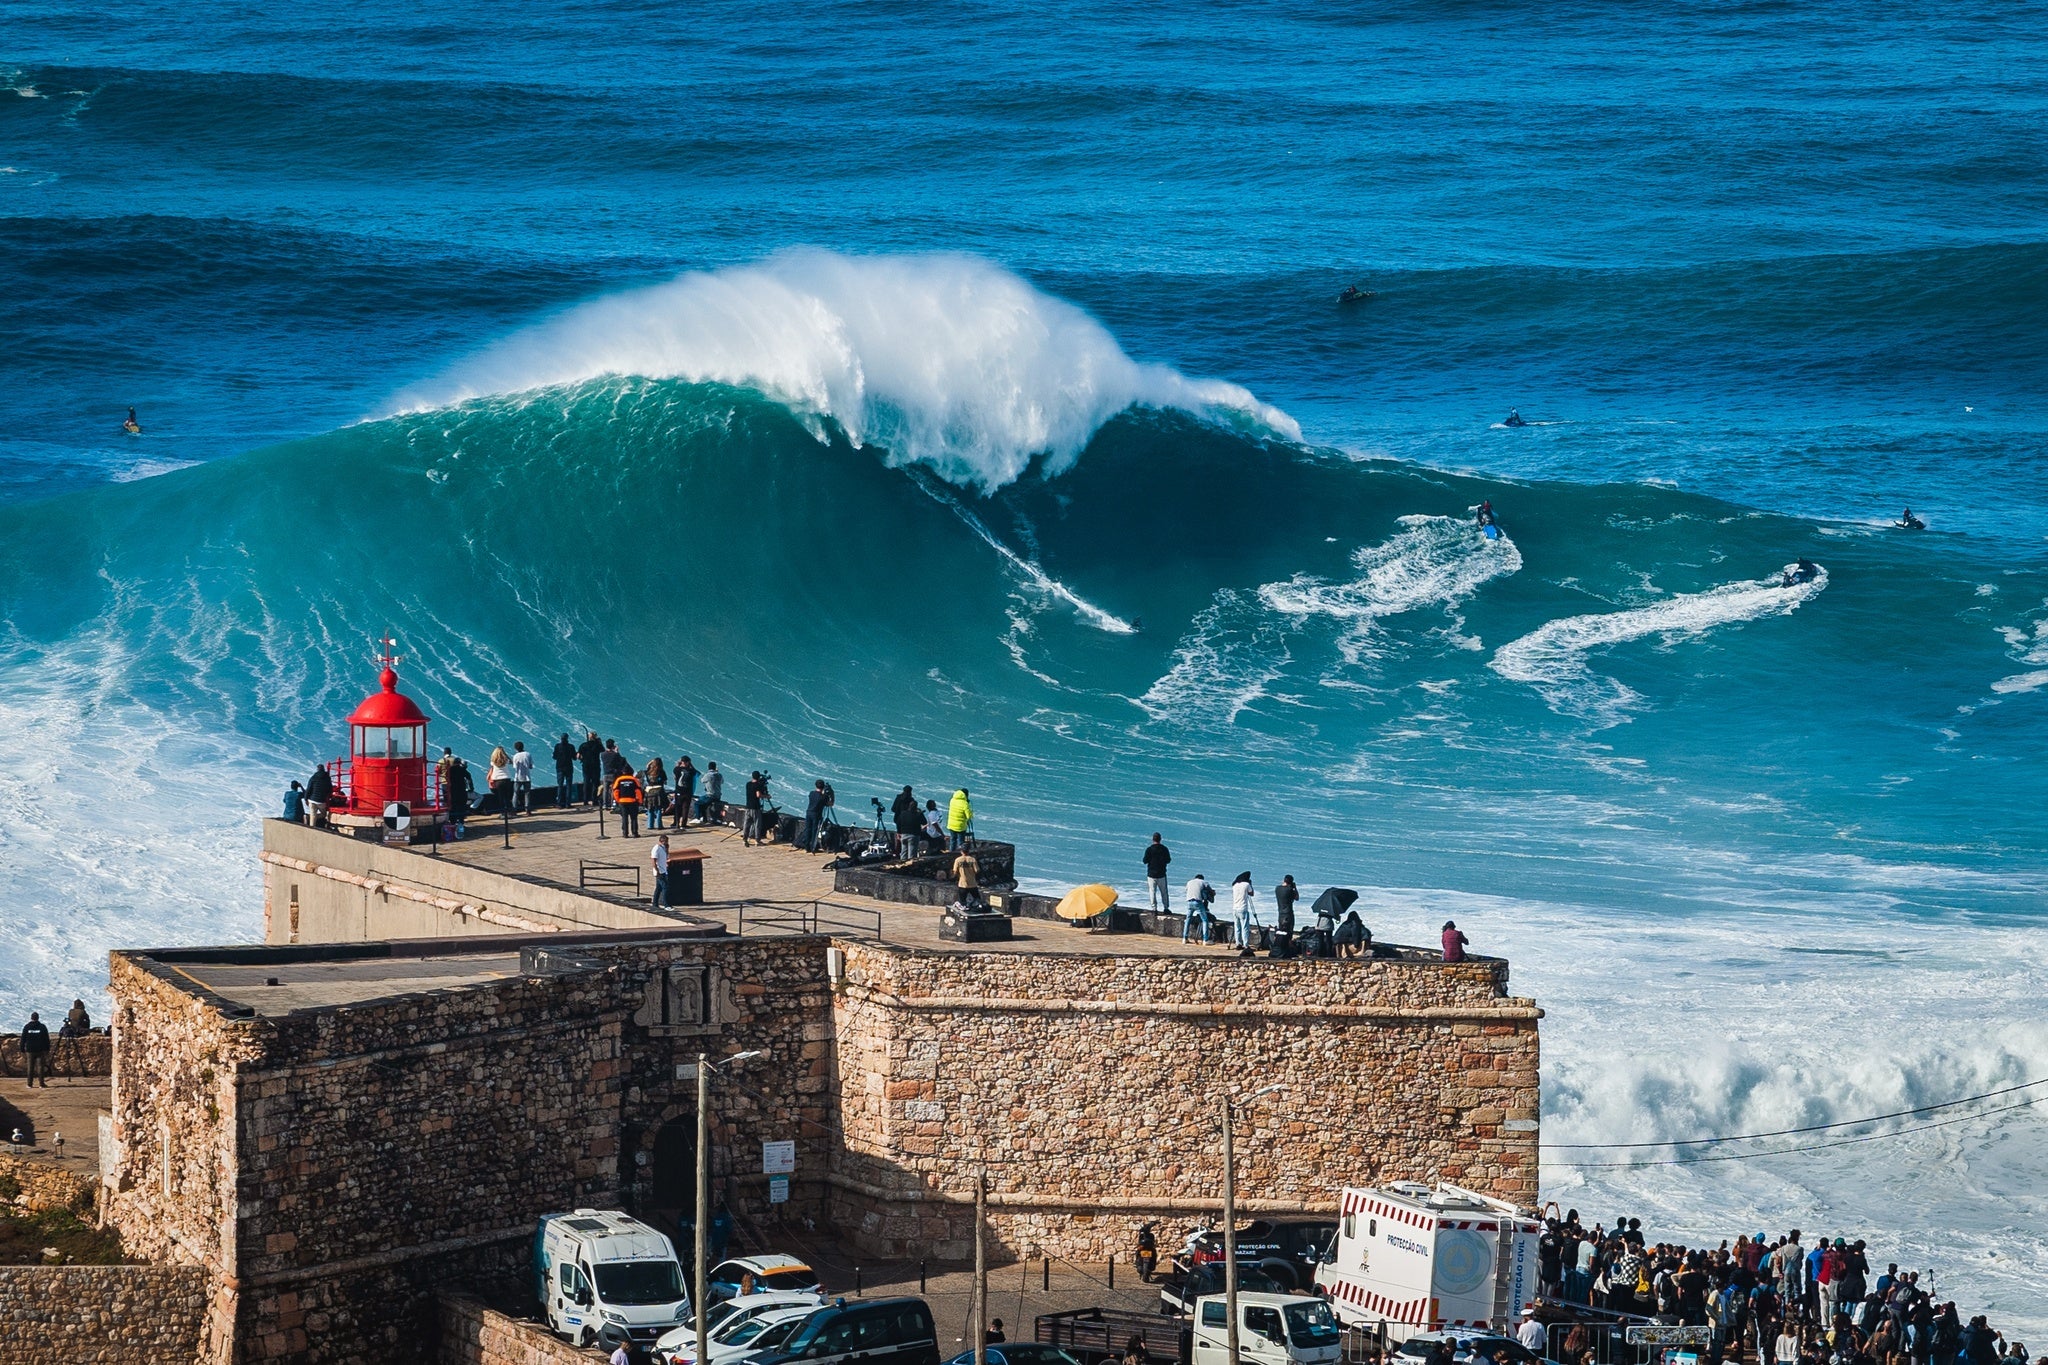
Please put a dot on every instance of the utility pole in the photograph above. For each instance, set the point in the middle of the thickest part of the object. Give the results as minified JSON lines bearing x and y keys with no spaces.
{"x":1229,"y":1229}
{"x":699,"y":1287}
{"x":980,"y":1267}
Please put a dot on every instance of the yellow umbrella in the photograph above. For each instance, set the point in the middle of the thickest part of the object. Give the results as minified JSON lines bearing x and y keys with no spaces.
{"x":1086,"y":902}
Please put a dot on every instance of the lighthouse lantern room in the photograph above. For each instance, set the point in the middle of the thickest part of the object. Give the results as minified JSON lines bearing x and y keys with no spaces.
{"x":387,"y":759}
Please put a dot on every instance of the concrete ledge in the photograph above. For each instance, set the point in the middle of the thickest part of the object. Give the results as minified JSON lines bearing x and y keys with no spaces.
{"x":1505,"y":1011}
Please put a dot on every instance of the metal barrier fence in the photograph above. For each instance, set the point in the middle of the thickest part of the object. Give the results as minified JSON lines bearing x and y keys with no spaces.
{"x":607,"y":876}
{"x":808,"y":917}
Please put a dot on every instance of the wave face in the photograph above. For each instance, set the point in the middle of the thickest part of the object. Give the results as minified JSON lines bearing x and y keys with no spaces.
{"x":940,"y":360}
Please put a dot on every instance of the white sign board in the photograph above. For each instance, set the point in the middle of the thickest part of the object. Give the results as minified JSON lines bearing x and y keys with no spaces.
{"x":778,"y":1189}
{"x":1659,"y":1334}
{"x":778,"y":1158}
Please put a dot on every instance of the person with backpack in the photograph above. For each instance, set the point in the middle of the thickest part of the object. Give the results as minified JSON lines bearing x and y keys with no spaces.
{"x":904,"y":809}
{"x":627,"y":797}
{"x":1200,"y":895}
{"x":814,"y":815}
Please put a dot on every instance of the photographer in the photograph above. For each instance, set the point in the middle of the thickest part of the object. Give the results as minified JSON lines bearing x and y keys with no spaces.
{"x":908,"y":822}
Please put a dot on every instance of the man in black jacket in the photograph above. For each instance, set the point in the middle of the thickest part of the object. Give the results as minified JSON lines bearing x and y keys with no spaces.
{"x":565,"y":771}
{"x":35,"y":1049}
{"x":814,"y":815}
{"x":319,"y":796}
{"x":1284,"y":897}
{"x":1157,"y":856}
{"x":592,"y":753}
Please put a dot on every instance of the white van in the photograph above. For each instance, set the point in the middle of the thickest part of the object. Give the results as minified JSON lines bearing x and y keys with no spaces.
{"x":1422,"y":1258}
{"x":602,"y":1276}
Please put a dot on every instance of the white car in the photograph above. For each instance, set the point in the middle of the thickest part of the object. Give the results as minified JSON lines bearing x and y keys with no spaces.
{"x":750,"y":1327}
{"x":760,"y":1275}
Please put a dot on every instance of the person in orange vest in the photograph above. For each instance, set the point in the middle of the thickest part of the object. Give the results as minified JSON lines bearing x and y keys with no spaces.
{"x":626,"y":799}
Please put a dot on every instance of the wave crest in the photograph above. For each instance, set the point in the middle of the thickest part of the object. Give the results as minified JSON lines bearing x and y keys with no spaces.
{"x":942,"y":360}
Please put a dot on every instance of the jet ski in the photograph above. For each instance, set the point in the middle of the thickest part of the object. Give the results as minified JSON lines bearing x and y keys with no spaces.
{"x":1909,"y":522}
{"x":1353,"y":294}
{"x":1515,"y":419}
{"x":1805,"y":571}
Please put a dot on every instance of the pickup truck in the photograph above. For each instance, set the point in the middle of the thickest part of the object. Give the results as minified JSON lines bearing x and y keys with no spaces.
{"x":1273,"y":1329}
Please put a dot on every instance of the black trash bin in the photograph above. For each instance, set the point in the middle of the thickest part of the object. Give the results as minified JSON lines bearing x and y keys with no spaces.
{"x":686,"y":876}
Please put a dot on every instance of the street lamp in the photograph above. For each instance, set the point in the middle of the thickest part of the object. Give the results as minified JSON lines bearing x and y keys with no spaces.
{"x":1230,"y":1213}
{"x":699,"y":1288}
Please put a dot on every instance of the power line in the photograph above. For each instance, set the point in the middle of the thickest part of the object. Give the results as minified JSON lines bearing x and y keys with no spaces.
{"x":1789,"y":1151}
{"x":1788,"y":1132}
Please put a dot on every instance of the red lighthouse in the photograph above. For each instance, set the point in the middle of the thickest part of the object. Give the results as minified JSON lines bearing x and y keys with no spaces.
{"x":387,"y":758}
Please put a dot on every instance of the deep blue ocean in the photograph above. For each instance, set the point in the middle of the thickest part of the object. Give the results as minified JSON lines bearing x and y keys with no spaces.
{"x":959,"y":394}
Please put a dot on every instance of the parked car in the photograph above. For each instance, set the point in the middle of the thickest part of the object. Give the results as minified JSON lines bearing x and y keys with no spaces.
{"x":874,"y":1332}
{"x":773,"y":1274}
{"x":747,"y":1329}
{"x":1287,"y":1250}
{"x":1274,"y":1329}
{"x":1186,"y":1284}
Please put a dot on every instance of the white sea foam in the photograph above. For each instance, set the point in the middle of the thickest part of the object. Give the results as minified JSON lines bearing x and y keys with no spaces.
{"x":1039,"y":581}
{"x":943,"y":360}
{"x":1552,"y":658}
{"x":1433,"y":561}
{"x":1221,"y":665}
{"x":2029,"y":645}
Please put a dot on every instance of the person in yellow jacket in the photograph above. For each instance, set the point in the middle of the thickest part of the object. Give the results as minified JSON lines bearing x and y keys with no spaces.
{"x":626,"y":799}
{"x":959,"y":817}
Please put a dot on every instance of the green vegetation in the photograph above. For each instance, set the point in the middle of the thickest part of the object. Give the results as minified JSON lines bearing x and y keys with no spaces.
{"x":24,"y":1235}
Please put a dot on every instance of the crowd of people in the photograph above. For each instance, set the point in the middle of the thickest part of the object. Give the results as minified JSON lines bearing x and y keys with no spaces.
{"x":1789,"y":1300}
{"x":1334,"y":928}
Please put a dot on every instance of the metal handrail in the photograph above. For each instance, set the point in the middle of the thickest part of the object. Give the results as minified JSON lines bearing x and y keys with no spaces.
{"x":810,"y":917}
{"x":605,"y":880}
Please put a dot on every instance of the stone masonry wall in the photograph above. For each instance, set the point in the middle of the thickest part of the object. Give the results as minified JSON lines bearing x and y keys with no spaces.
{"x":1091,"y":1088}
{"x":472,"y":1334}
{"x":92,"y":1055}
{"x":101,"y":1315}
{"x":38,"y":1187}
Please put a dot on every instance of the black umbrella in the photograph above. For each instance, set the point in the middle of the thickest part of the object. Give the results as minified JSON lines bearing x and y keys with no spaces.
{"x":1335,"y":900}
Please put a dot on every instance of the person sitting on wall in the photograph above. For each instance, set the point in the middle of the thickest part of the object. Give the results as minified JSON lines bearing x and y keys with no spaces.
{"x":1351,"y":935}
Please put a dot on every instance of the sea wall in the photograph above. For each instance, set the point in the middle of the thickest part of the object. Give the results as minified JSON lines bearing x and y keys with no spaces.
{"x":1090,"y":1087}
{"x":101,"y":1315}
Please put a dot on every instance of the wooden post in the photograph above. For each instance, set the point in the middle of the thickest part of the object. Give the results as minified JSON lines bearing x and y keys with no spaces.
{"x":1229,"y":1231}
{"x":980,"y":1267}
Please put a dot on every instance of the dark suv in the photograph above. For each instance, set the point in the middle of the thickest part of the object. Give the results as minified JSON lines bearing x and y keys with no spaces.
{"x":1286,"y":1251}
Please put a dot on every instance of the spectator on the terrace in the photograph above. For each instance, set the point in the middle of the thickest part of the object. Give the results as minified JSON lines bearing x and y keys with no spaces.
{"x":908,"y":821}
{"x":1157,"y":856}
{"x":522,"y":779}
{"x":590,"y":754}
{"x":686,"y":790}
{"x":1454,"y":942}
{"x":565,"y":772}
{"x":35,"y":1049}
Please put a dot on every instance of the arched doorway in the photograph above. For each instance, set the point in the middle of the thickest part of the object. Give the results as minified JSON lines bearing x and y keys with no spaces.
{"x":672,"y":1175}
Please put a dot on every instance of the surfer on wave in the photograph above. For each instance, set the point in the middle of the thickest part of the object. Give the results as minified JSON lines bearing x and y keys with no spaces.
{"x":131,"y":426}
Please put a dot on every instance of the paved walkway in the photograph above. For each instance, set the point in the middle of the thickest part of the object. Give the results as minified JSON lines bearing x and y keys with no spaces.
{"x":755,"y":889}
{"x":70,"y":1106}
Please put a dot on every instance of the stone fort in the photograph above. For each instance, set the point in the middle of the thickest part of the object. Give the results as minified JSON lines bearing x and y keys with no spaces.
{"x":436,"y":1045}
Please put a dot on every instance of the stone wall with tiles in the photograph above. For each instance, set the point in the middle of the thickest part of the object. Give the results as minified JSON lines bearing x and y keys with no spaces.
{"x":1090,"y":1087}
{"x":101,"y":1314}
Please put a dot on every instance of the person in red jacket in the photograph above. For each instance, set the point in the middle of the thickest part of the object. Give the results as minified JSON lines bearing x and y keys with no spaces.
{"x":1454,"y":942}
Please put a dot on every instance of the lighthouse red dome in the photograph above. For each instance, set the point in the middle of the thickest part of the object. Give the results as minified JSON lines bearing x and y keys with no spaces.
{"x":388,"y":707}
